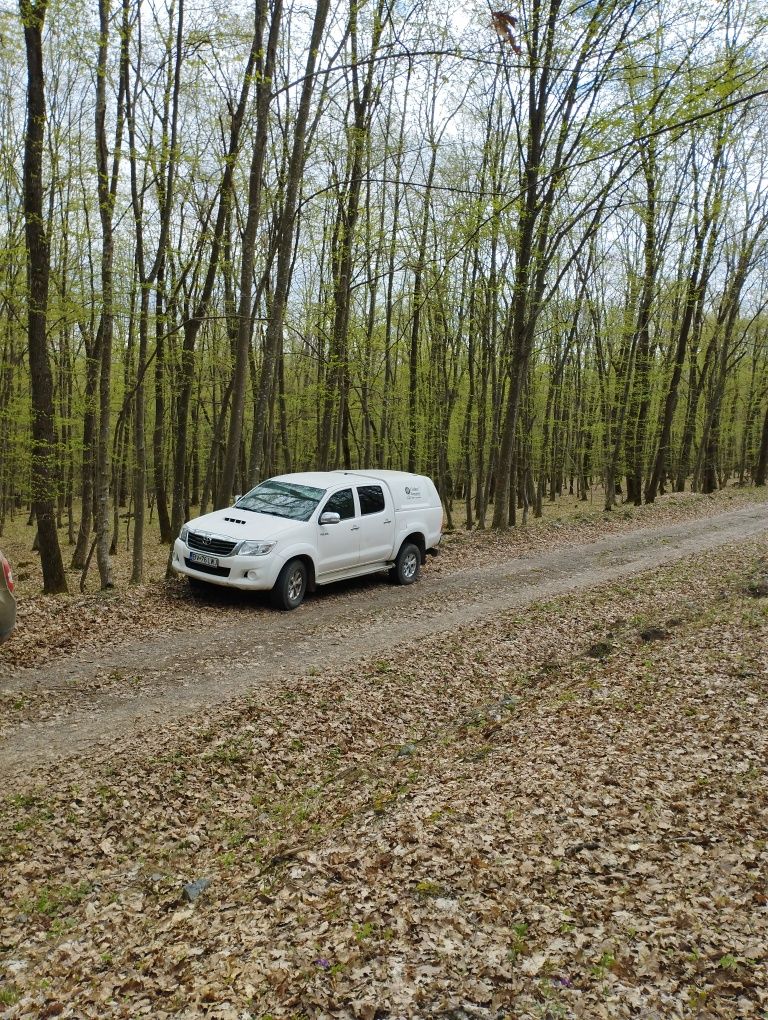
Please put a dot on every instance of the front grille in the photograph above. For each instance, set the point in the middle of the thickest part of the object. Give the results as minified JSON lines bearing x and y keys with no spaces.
{"x":214,"y":546}
{"x":205,"y":569}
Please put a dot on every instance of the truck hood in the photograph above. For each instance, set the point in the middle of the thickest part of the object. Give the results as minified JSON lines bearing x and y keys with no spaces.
{"x":244,"y":524}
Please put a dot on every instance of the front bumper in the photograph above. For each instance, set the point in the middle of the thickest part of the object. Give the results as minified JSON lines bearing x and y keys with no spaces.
{"x":248,"y":573}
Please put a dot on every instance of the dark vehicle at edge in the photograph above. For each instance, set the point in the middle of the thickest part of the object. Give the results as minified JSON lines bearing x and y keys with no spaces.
{"x":7,"y":600}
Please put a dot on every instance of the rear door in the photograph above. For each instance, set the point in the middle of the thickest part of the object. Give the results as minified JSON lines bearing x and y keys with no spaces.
{"x":377,"y":523}
{"x":338,"y":545}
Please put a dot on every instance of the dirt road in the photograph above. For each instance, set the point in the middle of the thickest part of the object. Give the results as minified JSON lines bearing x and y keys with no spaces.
{"x":83,"y":703}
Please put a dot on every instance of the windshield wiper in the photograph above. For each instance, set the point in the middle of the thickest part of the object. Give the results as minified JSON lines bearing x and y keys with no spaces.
{"x":256,"y":510}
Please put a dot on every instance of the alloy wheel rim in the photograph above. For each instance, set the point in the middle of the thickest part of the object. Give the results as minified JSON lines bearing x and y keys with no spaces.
{"x":295,"y":585}
{"x":409,"y":565}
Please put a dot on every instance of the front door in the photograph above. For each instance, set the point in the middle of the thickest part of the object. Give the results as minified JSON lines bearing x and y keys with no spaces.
{"x":338,"y":545}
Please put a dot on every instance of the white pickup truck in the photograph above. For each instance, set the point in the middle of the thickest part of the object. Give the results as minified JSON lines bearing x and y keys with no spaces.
{"x":295,"y":532}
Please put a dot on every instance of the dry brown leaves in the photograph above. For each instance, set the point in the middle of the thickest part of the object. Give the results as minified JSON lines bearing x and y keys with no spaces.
{"x":559,"y":814}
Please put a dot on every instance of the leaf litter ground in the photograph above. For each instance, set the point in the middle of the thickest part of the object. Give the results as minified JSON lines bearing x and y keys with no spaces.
{"x":558,"y":813}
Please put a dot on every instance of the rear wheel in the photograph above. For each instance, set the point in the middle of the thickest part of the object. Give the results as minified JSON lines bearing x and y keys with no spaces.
{"x":291,"y":586}
{"x":407,"y":565}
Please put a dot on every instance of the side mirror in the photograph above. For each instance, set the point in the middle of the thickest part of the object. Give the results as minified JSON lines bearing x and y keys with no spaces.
{"x":330,"y":518}
{"x":238,"y":497}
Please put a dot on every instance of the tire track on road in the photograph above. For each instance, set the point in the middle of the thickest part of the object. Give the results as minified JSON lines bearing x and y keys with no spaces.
{"x":182,"y":678}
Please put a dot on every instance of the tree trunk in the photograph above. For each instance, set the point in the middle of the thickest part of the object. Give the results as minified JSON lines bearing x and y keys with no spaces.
{"x":349,"y":206}
{"x":640,"y":400}
{"x":705,"y":236}
{"x":196,"y":312}
{"x":107,"y":189}
{"x":38,"y":272}
{"x":89,"y":438}
{"x":158,"y":431}
{"x":761,"y":471}
{"x":286,"y":230}
{"x":264,"y":77}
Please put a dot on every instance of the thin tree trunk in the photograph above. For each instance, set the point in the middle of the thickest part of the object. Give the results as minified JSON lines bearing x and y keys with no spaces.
{"x":264,"y":76}
{"x":704,"y":233}
{"x":349,"y":206}
{"x":761,"y":471}
{"x":107,"y":188}
{"x":89,"y":439}
{"x":286,"y":229}
{"x":195,"y":313}
{"x":158,"y":431}
{"x":148,"y":277}
{"x":38,"y":273}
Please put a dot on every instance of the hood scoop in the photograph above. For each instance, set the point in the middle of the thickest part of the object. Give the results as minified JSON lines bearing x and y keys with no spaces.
{"x":233,"y":520}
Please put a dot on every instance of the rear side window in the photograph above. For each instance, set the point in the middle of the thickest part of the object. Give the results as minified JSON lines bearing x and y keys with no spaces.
{"x":371,"y":499}
{"x":341,"y":503}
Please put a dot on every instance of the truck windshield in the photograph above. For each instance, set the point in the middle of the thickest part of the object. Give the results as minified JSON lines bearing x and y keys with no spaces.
{"x":282,"y":499}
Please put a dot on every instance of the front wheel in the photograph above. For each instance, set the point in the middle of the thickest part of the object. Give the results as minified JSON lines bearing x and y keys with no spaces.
{"x":291,"y":586}
{"x":407,"y":565}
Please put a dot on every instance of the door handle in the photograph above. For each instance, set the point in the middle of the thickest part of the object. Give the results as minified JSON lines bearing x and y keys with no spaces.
{"x":355,"y":527}
{"x":389,"y":521}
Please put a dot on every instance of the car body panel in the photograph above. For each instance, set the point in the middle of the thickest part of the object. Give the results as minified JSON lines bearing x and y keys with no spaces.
{"x":358,"y":544}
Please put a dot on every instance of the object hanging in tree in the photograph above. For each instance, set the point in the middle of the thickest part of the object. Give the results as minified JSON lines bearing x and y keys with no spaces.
{"x":505,"y":26}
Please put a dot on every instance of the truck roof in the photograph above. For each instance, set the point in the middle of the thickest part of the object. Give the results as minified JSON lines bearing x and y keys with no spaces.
{"x":317,"y":479}
{"x":385,"y":474}
{"x":325,"y":479}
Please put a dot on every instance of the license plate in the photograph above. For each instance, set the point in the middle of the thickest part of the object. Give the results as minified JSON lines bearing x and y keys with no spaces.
{"x":208,"y":561}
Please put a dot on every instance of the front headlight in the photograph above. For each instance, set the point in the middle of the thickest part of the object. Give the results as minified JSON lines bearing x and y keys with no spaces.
{"x":183,"y":534}
{"x":256,"y":548}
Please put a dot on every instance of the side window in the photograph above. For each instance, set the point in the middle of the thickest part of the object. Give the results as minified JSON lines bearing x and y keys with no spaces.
{"x":341,"y":503}
{"x":371,"y":499}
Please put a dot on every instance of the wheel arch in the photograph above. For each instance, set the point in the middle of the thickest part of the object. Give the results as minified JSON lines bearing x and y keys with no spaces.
{"x":416,"y":538}
{"x":303,"y":553}
{"x":309,"y":563}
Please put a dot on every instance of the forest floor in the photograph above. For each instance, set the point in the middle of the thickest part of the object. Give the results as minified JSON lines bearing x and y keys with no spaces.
{"x":531,"y":786}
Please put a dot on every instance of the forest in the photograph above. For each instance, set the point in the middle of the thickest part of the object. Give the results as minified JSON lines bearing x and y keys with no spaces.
{"x":522,"y":251}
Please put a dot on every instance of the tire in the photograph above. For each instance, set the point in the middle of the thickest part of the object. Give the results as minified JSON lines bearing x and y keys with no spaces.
{"x":407,"y":565}
{"x":291,"y":586}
